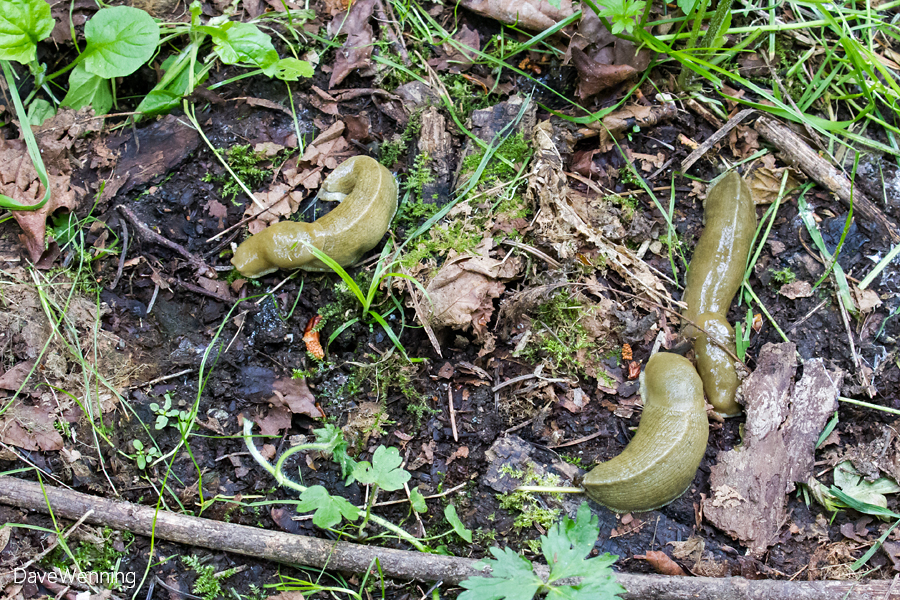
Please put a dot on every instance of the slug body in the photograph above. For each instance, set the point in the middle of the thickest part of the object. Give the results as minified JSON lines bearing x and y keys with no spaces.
{"x":715,"y":366}
{"x":367,"y":193}
{"x":715,"y":275}
{"x":660,"y":462}
{"x":720,"y":256}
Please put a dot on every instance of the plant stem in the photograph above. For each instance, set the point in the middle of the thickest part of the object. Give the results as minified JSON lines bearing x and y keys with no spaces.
{"x":287,"y":482}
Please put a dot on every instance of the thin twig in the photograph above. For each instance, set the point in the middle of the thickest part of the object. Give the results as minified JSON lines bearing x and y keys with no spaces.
{"x":712,"y":140}
{"x":452,"y":412}
{"x":151,"y":236}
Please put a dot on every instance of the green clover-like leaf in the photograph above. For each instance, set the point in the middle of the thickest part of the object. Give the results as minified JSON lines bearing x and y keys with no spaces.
{"x":384,"y":471}
{"x":329,"y":509}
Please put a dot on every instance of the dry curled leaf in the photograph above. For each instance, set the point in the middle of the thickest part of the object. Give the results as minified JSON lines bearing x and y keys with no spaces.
{"x":661,"y":563}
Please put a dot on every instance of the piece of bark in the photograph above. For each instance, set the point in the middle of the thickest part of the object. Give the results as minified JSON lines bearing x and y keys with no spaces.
{"x":150,"y":152}
{"x":798,"y":153}
{"x":749,"y":484}
{"x":402,"y":564}
{"x":435,"y":141}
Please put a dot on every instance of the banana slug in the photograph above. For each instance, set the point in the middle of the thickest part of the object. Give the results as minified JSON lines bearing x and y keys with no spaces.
{"x":367,"y":193}
{"x":660,"y":462}
{"x":715,"y":274}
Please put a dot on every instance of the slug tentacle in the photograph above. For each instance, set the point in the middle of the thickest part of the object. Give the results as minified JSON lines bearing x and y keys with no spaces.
{"x":660,"y":462}
{"x":368,"y":195}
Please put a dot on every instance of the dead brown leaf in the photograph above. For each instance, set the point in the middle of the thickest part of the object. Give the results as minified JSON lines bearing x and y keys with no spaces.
{"x":30,"y":428}
{"x":743,"y":141}
{"x":464,"y":288}
{"x":19,"y":181}
{"x":295,"y":394}
{"x":14,"y":378}
{"x":594,"y":76}
{"x":765,"y":181}
{"x":277,"y":419}
{"x":661,"y":563}
{"x":356,"y":53}
{"x":796,"y":289}
{"x":457,"y":60}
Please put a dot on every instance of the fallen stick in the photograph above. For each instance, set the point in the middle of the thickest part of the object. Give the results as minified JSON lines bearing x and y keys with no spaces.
{"x":401,"y":564}
{"x":798,"y":152}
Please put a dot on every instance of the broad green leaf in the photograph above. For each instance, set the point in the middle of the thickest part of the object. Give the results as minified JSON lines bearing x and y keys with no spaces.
{"x":119,"y":40}
{"x":417,"y":500}
{"x":23,"y":23}
{"x":88,"y":89}
{"x":458,"y":527}
{"x":686,"y":6}
{"x":292,"y":69}
{"x":384,"y":470}
{"x":244,"y":42}
{"x":161,"y":100}
{"x":850,"y":481}
{"x":565,"y":547}
{"x":329,"y":509}
{"x":512,"y":578}
{"x":39,"y":111}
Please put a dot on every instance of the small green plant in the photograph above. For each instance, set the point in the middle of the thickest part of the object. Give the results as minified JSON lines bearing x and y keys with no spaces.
{"x":207,"y":583}
{"x":165,"y":413}
{"x":566,"y":548}
{"x":143,"y":456}
{"x":503,"y":166}
{"x":622,"y":14}
{"x":559,"y":334}
{"x":384,"y":472}
{"x":742,"y":335}
{"x":366,"y":300}
{"x":100,"y":557}
{"x":783,"y":276}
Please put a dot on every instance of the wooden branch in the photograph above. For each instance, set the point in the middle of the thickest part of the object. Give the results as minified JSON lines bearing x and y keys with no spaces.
{"x":402,"y":564}
{"x":798,"y":152}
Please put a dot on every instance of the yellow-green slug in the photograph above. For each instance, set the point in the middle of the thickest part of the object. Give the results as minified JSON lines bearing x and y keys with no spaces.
{"x":716,"y":272}
{"x":367,"y":193}
{"x":659,"y":463}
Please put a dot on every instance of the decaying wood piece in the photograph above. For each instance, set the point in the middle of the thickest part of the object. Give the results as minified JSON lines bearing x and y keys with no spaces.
{"x":750,"y":484}
{"x":342,"y":556}
{"x":436,"y":142}
{"x":798,"y":153}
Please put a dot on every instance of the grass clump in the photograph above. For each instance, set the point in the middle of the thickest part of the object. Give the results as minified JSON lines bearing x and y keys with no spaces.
{"x":514,"y":149}
{"x":101,"y":556}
